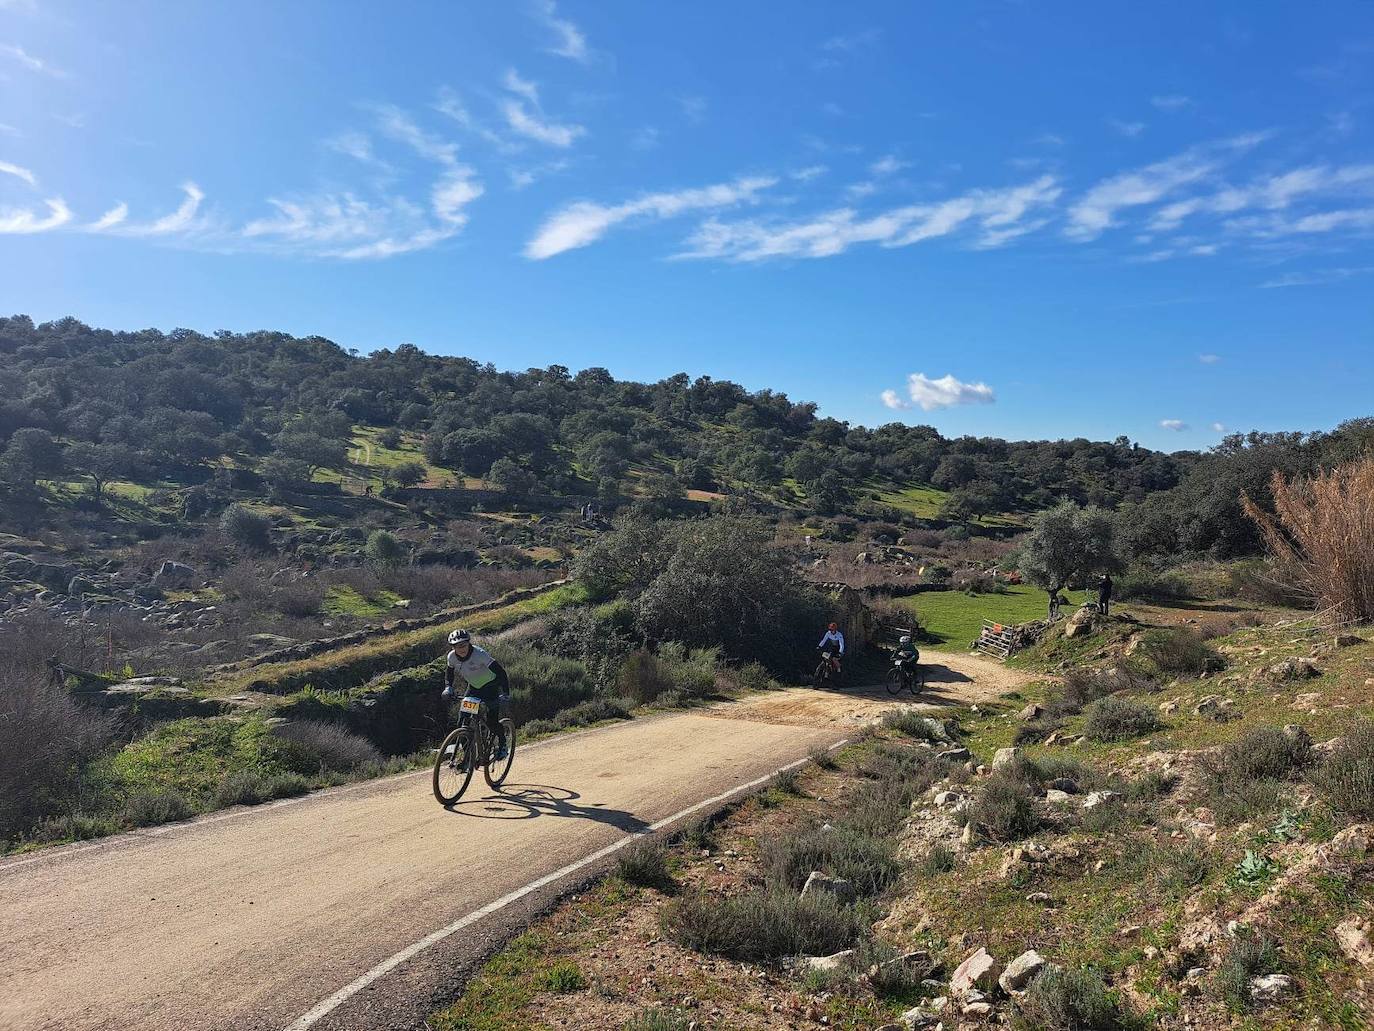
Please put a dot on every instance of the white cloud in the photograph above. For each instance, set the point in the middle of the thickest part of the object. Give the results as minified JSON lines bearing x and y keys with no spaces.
{"x":110,"y":219}
{"x":530,"y":121}
{"x":1096,"y":210}
{"x":571,"y":43}
{"x":1318,"y":277}
{"x":644,"y":138}
{"x":19,"y":173}
{"x":585,"y":222}
{"x":23,"y":220}
{"x":1270,"y":193}
{"x":1128,"y":129}
{"x":850,"y":42}
{"x":353,"y":144}
{"x":1174,"y":425}
{"x":858,"y":190}
{"x":888,"y":165}
{"x":1218,"y":427}
{"x":1209,"y":359}
{"x":397,"y":125}
{"x":945,"y":392}
{"x":997,"y":213}
{"x":27,"y":60}
{"x":805,"y":175}
{"x":1049,"y":139}
{"x":9,"y":130}
{"x":693,"y":108}
{"x":1171,"y":102}
{"x":178,"y":221}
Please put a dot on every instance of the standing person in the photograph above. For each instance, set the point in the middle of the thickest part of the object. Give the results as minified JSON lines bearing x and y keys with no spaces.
{"x":1055,"y":602}
{"x":1104,"y":593}
{"x":485,"y":678}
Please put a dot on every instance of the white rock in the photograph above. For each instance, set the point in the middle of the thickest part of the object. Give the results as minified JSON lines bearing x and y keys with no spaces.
{"x":1270,"y":987}
{"x":826,"y":964}
{"x":979,"y":971}
{"x":1020,"y":971}
{"x":1352,"y":935}
{"x":1005,"y":757}
{"x":1100,"y":798}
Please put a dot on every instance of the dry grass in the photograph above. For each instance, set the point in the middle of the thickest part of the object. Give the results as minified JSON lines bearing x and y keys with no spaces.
{"x":1323,"y":536}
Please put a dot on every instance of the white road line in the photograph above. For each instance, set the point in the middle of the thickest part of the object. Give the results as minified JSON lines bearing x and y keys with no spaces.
{"x":333,"y":1002}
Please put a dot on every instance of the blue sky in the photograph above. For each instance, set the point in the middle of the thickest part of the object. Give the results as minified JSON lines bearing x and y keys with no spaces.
{"x":1020,"y":219}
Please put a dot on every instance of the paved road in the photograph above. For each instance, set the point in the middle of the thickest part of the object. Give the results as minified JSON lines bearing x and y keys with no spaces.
{"x":255,"y":918}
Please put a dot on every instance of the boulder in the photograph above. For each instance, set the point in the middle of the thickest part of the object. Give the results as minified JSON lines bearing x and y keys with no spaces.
{"x":1005,"y":757}
{"x":1352,"y":935}
{"x":823,"y":884}
{"x":977,"y":973}
{"x":174,"y":574}
{"x":1080,"y":624}
{"x":1096,"y":799}
{"x":1032,"y":711}
{"x":827,"y":964}
{"x":1295,"y":669}
{"x":948,"y":798}
{"x":1298,"y":735}
{"x":1270,"y":987}
{"x":79,"y":585}
{"x":1020,"y":971}
{"x":955,"y":755}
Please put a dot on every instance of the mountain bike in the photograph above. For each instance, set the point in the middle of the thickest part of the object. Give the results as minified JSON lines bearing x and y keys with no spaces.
{"x":469,"y":746}
{"x":907,"y":675}
{"x":827,"y":670}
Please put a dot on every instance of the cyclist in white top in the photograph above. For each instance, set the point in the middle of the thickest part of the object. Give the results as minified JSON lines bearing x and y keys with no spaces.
{"x":485,"y":678}
{"x":833,"y":639}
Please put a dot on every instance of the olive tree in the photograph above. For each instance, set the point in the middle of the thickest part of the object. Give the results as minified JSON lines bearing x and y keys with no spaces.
{"x":1067,"y":543}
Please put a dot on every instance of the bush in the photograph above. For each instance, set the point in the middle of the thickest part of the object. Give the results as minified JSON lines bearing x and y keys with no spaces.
{"x":868,"y":862}
{"x":917,"y":725}
{"x":1071,"y":1000}
{"x":1250,"y":954}
{"x":658,"y":1019}
{"x":1345,"y":777}
{"x":1265,"y":753}
{"x":764,"y":924}
{"x":786,"y":781}
{"x":252,"y":787}
{"x":1146,"y":584}
{"x":1119,"y":719}
{"x":336,"y":747}
{"x":1179,"y":653}
{"x":45,"y":738}
{"x":246,"y":527}
{"x":384,"y":549}
{"x":1004,"y":809}
{"x":562,"y":977}
{"x":1080,"y":686}
{"x":940,"y":859}
{"x":150,"y":808}
{"x":299,"y":598}
{"x":645,"y":864}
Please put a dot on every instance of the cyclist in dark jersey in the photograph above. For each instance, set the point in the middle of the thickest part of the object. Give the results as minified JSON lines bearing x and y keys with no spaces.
{"x":485,"y":679}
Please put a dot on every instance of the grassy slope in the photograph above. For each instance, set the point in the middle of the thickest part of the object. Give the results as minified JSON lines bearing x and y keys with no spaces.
{"x":952,"y":619}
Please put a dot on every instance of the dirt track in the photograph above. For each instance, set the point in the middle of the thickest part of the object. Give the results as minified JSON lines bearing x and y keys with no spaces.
{"x":249,"y":919}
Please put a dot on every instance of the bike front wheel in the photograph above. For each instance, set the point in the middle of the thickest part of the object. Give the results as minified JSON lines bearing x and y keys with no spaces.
{"x":821,"y":675}
{"x":453,"y":767}
{"x":496,"y":771}
{"x":894,"y":681}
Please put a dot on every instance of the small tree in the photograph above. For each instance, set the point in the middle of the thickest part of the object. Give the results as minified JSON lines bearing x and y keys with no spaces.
{"x":385,"y":549}
{"x":283,"y":472}
{"x":1067,"y":543}
{"x":408,"y":474}
{"x":510,"y":477}
{"x":246,"y":527}
{"x":32,"y":453}
{"x":102,"y":463}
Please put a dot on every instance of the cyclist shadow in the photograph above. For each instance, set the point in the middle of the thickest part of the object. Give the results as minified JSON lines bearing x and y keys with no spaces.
{"x":527,"y":801}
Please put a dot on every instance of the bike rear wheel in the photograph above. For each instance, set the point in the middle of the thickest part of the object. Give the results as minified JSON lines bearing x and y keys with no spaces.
{"x":918,"y":680}
{"x":894,"y":681}
{"x":453,"y":767}
{"x":496,"y":771}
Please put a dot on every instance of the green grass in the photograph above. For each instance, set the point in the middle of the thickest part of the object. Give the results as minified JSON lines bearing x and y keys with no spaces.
{"x":343,"y":600}
{"x":923,"y":502}
{"x":952,"y":619}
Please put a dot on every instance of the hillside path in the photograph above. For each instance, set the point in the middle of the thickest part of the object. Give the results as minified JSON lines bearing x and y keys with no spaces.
{"x":255,"y":918}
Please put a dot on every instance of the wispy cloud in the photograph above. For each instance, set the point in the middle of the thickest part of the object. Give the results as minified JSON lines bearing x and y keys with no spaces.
{"x":526,"y":118}
{"x":997,"y":214}
{"x":26,"y":60}
{"x":173,"y":223}
{"x":396,"y":124}
{"x":110,"y":219}
{"x":1171,"y":101}
{"x":1174,"y":425}
{"x":693,"y":109}
{"x":888,"y":165}
{"x":1273,"y":193}
{"x":9,"y":130}
{"x":570,"y":41}
{"x":1218,"y":427}
{"x":1209,"y":359}
{"x":1095,"y":212}
{"x":24,"y":220}
{"x":946,"y":392}
{"x":585,"y":222}
{"x":1127,"y":129}
{"x":805,"y":175}
{"x":19,"y":173}
{"x":1319,"y":277}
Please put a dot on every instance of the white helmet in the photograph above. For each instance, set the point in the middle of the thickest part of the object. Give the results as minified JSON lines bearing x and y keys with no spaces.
{"x":906,"y":639}
{"x":458,"y":637}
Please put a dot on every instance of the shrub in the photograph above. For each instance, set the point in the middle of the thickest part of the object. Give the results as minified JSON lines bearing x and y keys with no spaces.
{"x":45,"y":737}
{"x":1345,"y":777}
{"x":658,"y":1019}
{"x":786,"y":781}
{"x":562,"y":976}
{"x":1265,"y":753}
{"x":824,"y":758}
{"x":1323,"y":536}
{"x":336,"y":747}
{"x":1182,"y":868}
{"x":246,"y":527}
{"x":868,"y":862}
{"x":762,"y":925}
{"x":940,"y":859}
{"x":1079,"y":687}
{"x":1003,"y":809}
{"x":1178,"y":653}
{"x":1119,"y":719}
{"x":299,"y":598}
{"x":252,"y":787}
{"x":150,"y":808}
{"x":384,"y":549}
{"x":645,"y":864}
{"x":1249,"y":954}
{"x":1139,"y":582}
{"x":917,"y":725}
{"x":1071,"y":1000}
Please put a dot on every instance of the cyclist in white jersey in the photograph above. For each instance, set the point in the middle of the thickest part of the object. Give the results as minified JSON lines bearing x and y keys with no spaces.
{"x":485,"y":679}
